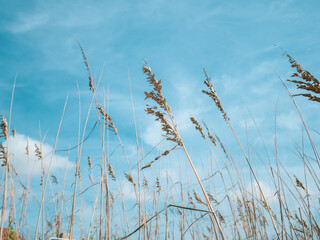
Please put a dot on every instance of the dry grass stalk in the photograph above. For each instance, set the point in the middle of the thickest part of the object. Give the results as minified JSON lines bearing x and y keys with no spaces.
{"x":307,"y":81}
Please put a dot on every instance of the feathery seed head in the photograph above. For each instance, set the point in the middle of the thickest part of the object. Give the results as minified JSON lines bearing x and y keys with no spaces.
{"x":197,"y":126}
{"x":89,"y":162}
{"x":306,"y":81}
{"x":4,"y":128}
{"x":108,"y":121}
{"x":212,"y":94}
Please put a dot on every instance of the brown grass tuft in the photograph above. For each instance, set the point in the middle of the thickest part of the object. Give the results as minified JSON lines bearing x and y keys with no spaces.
{"x":306,"y":81}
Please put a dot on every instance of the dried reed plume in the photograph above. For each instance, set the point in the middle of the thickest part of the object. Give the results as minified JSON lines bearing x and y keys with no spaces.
{"x":191,"y":202}
{"x":27,"y":149}
{"x":88,"y":68}
{"x":3,"y":155}
{"x":54,"y":179}
{"x":197,"y":126}
{"x":213,"y":140}
{"x":197,"y":197}
{"x":212,"y":94}
{"x":170,"y":131}
{"x":38,"y":152}
{"x":145,"y":182}
{"x":108,"y":120}
{"x":299,"y":183}
{"x":212,"y":199}
{"x":4,"y":128}
{"x":158,"y":185}
{"x":168,"y":127}
{"x":306,"y":81}
{"x":111,"y":172}
{"x":222,"y":146}
{"x":112,"y":196}
{"x":89,"y":162}
{"x":130,"y":178}
{"x":13,"y":132}
{"x":222,"y":219}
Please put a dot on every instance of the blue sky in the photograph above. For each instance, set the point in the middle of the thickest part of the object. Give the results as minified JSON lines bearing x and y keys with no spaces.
{"x":237,"y":41}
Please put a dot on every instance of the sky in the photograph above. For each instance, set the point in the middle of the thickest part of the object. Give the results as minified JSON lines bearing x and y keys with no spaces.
{"x":240,"y":43}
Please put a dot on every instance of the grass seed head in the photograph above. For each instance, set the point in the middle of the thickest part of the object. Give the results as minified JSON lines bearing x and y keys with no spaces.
{"x":162,"y":111}
{"x":213,"y":95}
{"x":89,"y":162}
{"x":130,"y":178}
{"x":197,"y":126}
{"x":4,"y":128}
{"x":158,"y":185}
{"x":197,"y":197}
{"x":111,"y":172}
{"x":108,"y":121}
{"x":304,"y":80}
{"x":38,"y":152}
{"x":4,"y":156}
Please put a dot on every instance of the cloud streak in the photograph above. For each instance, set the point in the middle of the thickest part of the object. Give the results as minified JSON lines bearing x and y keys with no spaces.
{"x":32,"y":164}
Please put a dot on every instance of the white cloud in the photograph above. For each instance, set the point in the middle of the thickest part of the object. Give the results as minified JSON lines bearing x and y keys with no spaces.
{"x":152,"y":134}
{"x":26,"y":23}
{"x":23,"y":164}
{"x":290,"y":120}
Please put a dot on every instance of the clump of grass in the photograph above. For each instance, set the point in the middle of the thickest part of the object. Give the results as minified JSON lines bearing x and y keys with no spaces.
{"x":244,"y":216}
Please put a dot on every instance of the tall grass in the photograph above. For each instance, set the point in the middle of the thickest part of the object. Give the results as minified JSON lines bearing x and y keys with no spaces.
{"x":227,"y":200}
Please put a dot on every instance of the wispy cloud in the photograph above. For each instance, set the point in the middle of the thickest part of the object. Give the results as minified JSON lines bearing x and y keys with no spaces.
{"x":24,"y":164}
{"x":26,"y":23}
